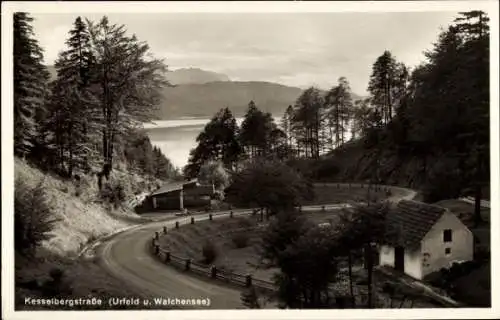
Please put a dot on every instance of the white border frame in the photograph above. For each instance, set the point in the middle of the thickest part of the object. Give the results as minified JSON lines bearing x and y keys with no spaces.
{"x":491,"y":7}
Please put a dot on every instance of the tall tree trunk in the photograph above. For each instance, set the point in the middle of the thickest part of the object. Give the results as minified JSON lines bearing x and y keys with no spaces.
{"x":70,"y":145}
{"x":369,"y":260}
{"x":477,"y":205}
{"x":351,"y":288}
{"x":478,"y":191}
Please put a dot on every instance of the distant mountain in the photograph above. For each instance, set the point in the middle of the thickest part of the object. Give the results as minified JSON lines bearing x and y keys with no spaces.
{"x":180,"y":76}
{"x":200,"y":93}
{"x":194,"y":76}
{"x":204,"y":100}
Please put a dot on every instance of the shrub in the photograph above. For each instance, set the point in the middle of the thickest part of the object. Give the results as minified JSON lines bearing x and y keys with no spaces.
{"x":244,"y":223}
{"x":240,"y":240}
{"x":209,"y":252}
{"x":481,"y":253}
{"x":33,"y":217}
{"x":114,"y":193}
{"x":250,"y":299}
{"x":56,"y":286}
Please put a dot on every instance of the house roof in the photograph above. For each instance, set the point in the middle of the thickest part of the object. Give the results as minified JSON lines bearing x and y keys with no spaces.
{"x":172,"y":186}
{"x":410,"y":221}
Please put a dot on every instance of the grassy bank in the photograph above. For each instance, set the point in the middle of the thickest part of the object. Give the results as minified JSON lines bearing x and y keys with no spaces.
{"x":80,"y":216}
{"x":227,"y":235}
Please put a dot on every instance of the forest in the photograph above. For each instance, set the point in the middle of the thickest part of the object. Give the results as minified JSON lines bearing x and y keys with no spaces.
{"x":425,"y":128}
{"x":90,"y":117}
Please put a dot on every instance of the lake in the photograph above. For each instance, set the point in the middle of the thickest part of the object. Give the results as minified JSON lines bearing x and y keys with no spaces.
{"x":176,"y":138}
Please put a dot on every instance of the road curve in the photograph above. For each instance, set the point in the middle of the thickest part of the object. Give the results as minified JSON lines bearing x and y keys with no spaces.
{"x":127,"y":256}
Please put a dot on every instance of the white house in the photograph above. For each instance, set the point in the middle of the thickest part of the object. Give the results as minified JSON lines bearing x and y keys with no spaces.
{"x":425,"y":238}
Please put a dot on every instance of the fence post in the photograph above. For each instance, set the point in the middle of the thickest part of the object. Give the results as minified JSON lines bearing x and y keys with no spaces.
{"x":167,"y":256}
{"x":153,"y":242}
{"x":188,"y":264}
{"x":300,"y":208}
{"x":323,"y":208}
{"x":231,"y":214}
{"x":165,"y":229}
{"x":157,"y":235}
{"x":210,"y":217}
{"x":192,"y":220}
{"x":248,"y":280}
{"x":177,"y":224}
{"x":213,"y":272}
{"x":157,"y":249}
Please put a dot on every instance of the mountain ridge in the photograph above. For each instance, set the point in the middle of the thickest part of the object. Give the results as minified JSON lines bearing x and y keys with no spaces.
{"x":200,"y":93}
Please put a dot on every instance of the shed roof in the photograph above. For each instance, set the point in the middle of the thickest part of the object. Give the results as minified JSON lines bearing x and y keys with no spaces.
{"x":411,"y":221}
{"x":172,"y":186}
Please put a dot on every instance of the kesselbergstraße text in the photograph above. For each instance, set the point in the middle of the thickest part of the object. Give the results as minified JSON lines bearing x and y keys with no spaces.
{"x":115,"y":301}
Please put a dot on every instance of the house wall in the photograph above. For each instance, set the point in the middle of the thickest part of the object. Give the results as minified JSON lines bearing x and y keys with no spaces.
{"x":433,"y":246}
{"x":168,"y":201}
{"x":413,"y":260}
{"x":413,"y":263}
{"x":386,"y":256}
{"x":193,"y":197}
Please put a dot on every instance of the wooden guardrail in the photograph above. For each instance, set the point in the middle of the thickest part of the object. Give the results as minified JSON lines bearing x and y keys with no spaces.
{"x":237,"y":279}
{"x":187,"y":264}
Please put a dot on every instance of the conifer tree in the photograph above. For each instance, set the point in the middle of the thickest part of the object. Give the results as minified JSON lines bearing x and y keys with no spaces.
{"x":387,"y":83}
{"x":74,"y":108}
{"x":218,"y":141}
{"x":259,"y":134}
{"x":307,"y":121}
{"x":30,"y":85}
{"x":339,"y":106}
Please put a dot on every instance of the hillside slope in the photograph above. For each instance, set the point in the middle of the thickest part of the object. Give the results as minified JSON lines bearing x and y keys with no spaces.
{"x":435,"y":177}
{"x":81,"y":215}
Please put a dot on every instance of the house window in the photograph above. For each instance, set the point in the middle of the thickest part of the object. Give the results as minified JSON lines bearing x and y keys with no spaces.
{"x":447,"y":251}
{"x":447,"y":235}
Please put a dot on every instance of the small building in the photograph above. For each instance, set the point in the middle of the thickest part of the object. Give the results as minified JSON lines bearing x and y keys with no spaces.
{"x":181,"y":195}
{"x":424,"y":238}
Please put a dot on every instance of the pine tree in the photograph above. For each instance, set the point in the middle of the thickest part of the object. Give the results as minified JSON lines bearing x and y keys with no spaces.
{"x":339,"y":106}
{"x":259,"y":134}
{"x":307,"y":121}
{"x":387,"y":83}
{"x":74,"y":108}
{"x":286,"y":125}
{"x":218,"y":141}
{"x":30,"y":85}
{"x":250,"y":136}
{"x":473,"y":27}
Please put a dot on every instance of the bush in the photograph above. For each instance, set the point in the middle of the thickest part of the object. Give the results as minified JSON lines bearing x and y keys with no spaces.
{"x":245,"y":223}
{"x":240,"y":240}
{"x":33,"y":217}
{"x":250,"y":299}
{"x":209,"y":252}
{"x":481,"y":253}
{"x":56,"y":286}
{"x":114,"y":193}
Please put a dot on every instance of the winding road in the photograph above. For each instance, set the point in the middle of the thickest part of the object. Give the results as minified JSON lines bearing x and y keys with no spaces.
{"x":127,"y":257}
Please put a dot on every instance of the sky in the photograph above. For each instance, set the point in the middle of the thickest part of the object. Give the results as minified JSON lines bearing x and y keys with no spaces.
{"x":296,"y":49}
